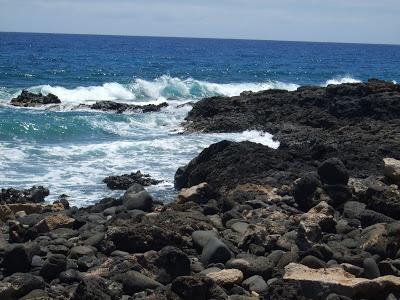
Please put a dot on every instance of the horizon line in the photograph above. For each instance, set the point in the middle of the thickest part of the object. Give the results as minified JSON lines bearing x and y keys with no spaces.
{"x":205,"y":38}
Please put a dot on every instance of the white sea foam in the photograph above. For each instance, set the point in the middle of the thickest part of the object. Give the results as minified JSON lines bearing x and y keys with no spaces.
{"x":161,"y":89}
{"x":340,"y":80}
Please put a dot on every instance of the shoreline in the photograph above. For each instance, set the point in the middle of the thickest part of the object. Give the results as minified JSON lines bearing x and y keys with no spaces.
{"x":316,"y":218}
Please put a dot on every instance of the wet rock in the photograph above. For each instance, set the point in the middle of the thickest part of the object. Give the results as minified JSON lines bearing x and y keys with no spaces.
{"x":134,"y":282}
{"x":123,"y":107}
{"x":123,"y":182}
{"x":27,"y":99}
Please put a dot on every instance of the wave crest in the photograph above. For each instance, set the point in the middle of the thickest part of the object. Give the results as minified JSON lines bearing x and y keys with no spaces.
{"x":160,"y":89}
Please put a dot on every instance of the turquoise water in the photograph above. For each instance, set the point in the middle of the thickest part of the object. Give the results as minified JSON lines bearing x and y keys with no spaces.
{"x":71,"y":151}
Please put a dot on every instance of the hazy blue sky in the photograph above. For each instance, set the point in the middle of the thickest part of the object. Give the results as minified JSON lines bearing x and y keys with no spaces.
{"x":375,"y":21}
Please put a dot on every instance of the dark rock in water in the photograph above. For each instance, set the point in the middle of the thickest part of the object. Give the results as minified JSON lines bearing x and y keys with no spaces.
{"x":27,"y":99}
{"x":304,"y":190}
{"x":134,"y":282}
{"x":333,"y":171}
{"x":123,"y":107}
{"x":123,"y":182}
{"x":19,"y":284}
{"x":36,"y":194}
{"x":53,"y":266}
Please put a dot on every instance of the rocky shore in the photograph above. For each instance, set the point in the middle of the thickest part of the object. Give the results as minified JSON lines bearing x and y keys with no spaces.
{"x":317,"y":218}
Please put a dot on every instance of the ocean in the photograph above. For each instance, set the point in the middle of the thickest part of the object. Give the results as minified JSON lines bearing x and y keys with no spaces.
{"x":71,"y":151}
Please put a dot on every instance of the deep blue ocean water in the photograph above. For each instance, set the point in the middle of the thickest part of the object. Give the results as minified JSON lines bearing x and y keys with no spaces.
{"x":71,"y":151}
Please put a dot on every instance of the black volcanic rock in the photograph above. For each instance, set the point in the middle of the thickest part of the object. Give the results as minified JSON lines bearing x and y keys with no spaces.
{"x":122,"y":107}
{"x":35,"y":194}
{"x":27,"y":99}
{"x":359,"y":123}
{"x":123,"y":182}
{"x":227,"y":164}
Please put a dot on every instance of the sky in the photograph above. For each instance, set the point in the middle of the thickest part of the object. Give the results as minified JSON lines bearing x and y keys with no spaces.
{"x":358,"y":21}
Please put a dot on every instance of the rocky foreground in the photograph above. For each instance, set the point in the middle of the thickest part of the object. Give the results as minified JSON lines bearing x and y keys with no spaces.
{"x":317,"y":218}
